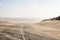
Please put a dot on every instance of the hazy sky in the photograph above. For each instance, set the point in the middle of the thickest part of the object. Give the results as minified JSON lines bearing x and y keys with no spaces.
{"x":29,"y":8}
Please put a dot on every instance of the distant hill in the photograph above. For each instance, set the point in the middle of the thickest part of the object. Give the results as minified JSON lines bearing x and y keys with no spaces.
{"x":54,"y":18}
{"x":52,"y":22}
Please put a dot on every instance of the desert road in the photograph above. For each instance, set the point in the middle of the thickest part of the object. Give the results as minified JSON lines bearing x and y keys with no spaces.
{"x":21,"y":32}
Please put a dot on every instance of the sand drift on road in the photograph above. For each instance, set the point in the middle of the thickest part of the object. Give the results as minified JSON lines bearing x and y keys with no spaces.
{"x":23,"y":31}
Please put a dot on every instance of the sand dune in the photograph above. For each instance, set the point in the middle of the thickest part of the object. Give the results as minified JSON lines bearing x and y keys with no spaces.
{"x":51,"y":28}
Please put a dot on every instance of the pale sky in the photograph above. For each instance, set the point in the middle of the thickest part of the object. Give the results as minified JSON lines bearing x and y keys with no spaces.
{"x":30,"y":8}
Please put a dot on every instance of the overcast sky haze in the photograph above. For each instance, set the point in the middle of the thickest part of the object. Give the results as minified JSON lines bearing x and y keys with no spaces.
{"x":41,"y":9}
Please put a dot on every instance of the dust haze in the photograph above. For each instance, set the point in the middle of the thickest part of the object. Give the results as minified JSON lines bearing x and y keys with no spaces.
{"x":12,"y":29}
{"x":29,"y":19}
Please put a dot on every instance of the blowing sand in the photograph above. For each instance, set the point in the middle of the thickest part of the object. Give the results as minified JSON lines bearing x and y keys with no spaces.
{"x":48,"y":30}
